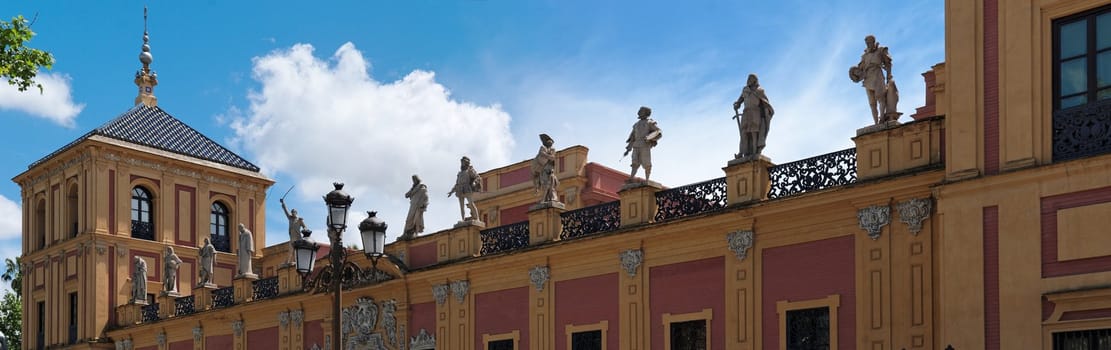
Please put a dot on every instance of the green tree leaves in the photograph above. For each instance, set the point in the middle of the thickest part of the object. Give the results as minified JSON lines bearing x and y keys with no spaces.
{"x":19,"y":63}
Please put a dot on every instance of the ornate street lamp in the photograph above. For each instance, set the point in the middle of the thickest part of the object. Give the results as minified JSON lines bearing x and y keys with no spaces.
{"x":373,"y":231}
{"x":338,"y":202}
{"x":305,"y":251}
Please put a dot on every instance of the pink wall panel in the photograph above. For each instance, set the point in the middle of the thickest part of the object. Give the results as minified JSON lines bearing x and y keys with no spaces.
{"x":587,"y":300}
{"x":500,"y":312}
{"x":807,"y":271}
{"x":684,"y":288}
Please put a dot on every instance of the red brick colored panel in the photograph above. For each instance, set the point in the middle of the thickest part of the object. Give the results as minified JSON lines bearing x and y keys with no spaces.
{"x":587,"y":300}
{"x":192,"y":219}
{"x":511,"y":178}
{"x":808,"y":271}
{"x":991,"y":277}
{"x":1085,"y":314}
{"x":266,"y":338}
{"x":313,"y":334}
{"x":422,"y":255}
{"x":219,"y":342}
{"x":113,"y":290}
{"x":500,"y":312}
{"x":1050,"y":205}
{"x":514,"y":215}
{"x":991,"y":86}
{"x":250,"y":214}
{"x":111,"y":202}
{"x":422,"y":316}
{"x":685,"y":288}
{"x":183,"y":345}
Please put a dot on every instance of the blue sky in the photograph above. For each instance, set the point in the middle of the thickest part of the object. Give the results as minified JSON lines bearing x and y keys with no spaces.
{"x":369,"y":92}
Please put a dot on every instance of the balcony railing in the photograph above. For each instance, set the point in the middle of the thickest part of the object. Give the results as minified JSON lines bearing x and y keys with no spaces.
{"x":223,"y":297}
{"x":221,"y":243}
{"x":265,"y":288}
{"x":150,"y":313}
{"x":814,"y":173}
{"x":142,"y":230}
{"x":691,"y":199}
{"x":590,"y":220}
{"x":184,"y":305}
{"x":1082,"y":131}
{"x":504,"y":238}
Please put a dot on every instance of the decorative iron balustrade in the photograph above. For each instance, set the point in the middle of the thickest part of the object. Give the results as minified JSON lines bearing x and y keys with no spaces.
{"x":1082,"y":131}
{"x":589,"y":220}
{"x":223,"y":297}
{"x":221,"y":243}
{"x":150,"y":313}
{"x":504,"y":238}
{"x":691,"y":199}
{"x":184,"y":305}
{"x":142,"y":230}
{"x":265,"y":288}
{"x":814,"y":173}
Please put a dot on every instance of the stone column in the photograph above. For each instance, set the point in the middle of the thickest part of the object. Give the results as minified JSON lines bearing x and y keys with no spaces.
{"x":747,"y":179}
{"x":544,"y":222}
{"x":740,"y":308}
{"x":632,"y":297}
{"x":638,"y":202}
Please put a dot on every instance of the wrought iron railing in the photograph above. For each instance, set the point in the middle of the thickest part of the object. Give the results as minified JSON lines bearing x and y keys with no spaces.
{"x":221,"y":243}
{"x":223,"y":297}
{"x":691,"y":199}
{"x":184,"y":305}
{"x":1082,"y":131}
{"x":142,"y":230}
{"x":589,"y":220}
{"x":265,"y":288}
{"x":150,"y":313}
{"x":814,"y":173}
{"x":504,"y":238}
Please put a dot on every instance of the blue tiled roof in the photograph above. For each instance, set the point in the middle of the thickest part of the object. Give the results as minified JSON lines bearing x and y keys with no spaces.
{"x":153,"y":127}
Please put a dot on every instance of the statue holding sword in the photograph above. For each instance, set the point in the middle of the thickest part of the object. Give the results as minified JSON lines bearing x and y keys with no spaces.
{"x":754,"y":120}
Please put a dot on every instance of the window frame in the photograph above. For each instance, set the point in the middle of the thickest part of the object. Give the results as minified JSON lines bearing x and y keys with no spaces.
{"x":1091,"y":53}
{"x":833,"y":302}
{"x":602,"y":326}
{"x":150,"y":210}
{"x":706,"y":315}
{"x":74,"y":317}
{"x":514,"y":335}
{"x":213,"y":223}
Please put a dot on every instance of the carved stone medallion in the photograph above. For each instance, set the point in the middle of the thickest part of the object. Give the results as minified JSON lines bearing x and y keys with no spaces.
{"x":913,"y":211}
{"x":740,"y":242}
{"x":283,"y":319}
{"x":459,"y":288}
{"x":439,"y":292}
{"x":198,"y":334}
{"x":539,"y":276}
{"x":298,"y":317}
{"x":389,"y":320}
{"x":873,"y":219}
{"x":161,"y":338}
{"x":423,"y":341}
{"x":630,"y":261}
{"x":237,"y":326}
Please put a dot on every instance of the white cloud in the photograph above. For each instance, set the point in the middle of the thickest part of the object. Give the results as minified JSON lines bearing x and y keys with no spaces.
{"x":11,"y":217}
{"x":316,"y":121}
{"x":55,"y":103}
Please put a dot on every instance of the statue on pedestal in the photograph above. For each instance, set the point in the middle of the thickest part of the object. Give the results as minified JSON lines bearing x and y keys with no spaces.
{"x":207,"y":255}
{"x":467,"y":182}
{"x":246,"y":251}
{"x":296,"y":224}
{"x":883,"y":95}
{"x":644,"y":136}
{"x":544,"y":180}
{"x":754,"y":121}
{"x":170,"y":264}
{"x":139,"y":281}
{"x":418,"y":203}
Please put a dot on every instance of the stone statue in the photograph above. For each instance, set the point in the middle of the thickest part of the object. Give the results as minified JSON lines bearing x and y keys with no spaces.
{"x":170,"y":264}
{"x":544,"y":180}
{"x":418,"y":203}
{"x":139,"y":282}
{"x":644,"y":136}
{"x":754,"y":121}
{"x":467,"y":182}
{"x":296,"y":224}
{"x":207,"y":256}
{"x":883,"y":95}
{"x":246,"y":251}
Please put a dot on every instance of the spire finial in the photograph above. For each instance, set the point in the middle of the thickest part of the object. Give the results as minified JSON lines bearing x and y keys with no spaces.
{"x":145,"y":78}
{"x":145,"y":57}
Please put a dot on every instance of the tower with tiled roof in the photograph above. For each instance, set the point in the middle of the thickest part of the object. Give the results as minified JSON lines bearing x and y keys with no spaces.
{"x":138,"y":183}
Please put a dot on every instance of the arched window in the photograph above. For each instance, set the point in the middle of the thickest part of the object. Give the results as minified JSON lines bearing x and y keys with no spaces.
{"x":218,"y":226}
{"x":40,"y":224}
{"x":142,"y":214}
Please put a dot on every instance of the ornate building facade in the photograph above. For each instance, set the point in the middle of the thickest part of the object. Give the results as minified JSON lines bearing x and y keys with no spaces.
{"x":979,"y":224}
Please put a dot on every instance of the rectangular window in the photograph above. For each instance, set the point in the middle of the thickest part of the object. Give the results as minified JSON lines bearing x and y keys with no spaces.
{"x":588,"y":340}
{"x":688,"y":335}
{"x":1082,"y":58}
{"x":72,"y":318}
{"x":506,"y":344}
{"x":40,"y":333}
{"x":503,"y":341}
{"x":808,"y":329}
{"x":1096,"y":339}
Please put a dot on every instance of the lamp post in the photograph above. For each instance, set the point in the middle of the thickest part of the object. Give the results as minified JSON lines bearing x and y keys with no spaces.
{"x":338,"y":203}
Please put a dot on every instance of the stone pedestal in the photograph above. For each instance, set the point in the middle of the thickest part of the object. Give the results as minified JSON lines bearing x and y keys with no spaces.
{"x":244,"y":288}
{"x":747,"y":179}
{"x":167,"y":304}
{"x":130,"y":313}
{"x":893,"y":148}
{"x":544,"y":222}
{"x":463,"y":240}
{"x":202,"y":297}
{"x":289,"y":280}
{"x":638,"y":202}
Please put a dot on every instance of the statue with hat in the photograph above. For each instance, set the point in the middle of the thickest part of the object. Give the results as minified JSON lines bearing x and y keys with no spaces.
{"x":467,"y":182}
{"x":544,"y":180}
{"x":644,"y":136}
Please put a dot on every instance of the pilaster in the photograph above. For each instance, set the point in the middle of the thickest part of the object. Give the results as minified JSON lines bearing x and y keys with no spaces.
{"x":740,"y":290}
{"x":542,"y":310}
{"x":544,"y":221}
{"x":873,"y":276}
{"x":638,"y":202}
{"x":632,"y":297}
{"x":748,"y":179}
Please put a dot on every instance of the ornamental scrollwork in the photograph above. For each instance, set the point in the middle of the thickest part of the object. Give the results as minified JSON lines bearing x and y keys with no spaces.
{"x":237,"y":326}
{"x":161,"y":338}
{"x":198,"y":334}
{"x":913,"y":211}
{"x":740,"y":242}
{"x":423,"y":341}
{"x":1082,"y":131}
{"x":630,"y":261}
{"x":361,"y":318}
{"x":504,"y":238}
{"x":539,"y":276}
{"x":283,"y":319}
{"x":298,"y":317}
{"x":873,"y":219}
{"x":814,"y":173}
{"x":459,"y":289}
{"x":389,"y":320}
{"x":691,"y":199}
{"x":590,"y":220}
{"x":439,"y":292}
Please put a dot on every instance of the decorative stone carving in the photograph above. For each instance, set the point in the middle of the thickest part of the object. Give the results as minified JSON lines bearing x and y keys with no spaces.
{"x":539,"y":276}
{"x":389,"y":320}
{"x":198,"y":334}
{"x":180,"y":171}
{"x":139,"y":281}
{"x":644,"y":136}
{"x":467,"y":182}
{"x":246,"y":251}
{"x":439,"y":292}
{"x":883,"y":95}
{"x":544,"y":180}
{"x":237,"y":326}
{"x":207,"y":256}
{"x":459,"y":288}
{"x":161,"y":338}
{"x":873,"y":219}
{"x":913,"y":211}
{"x":423,"y":341}
{"x":170,"y":264}
{"x":630,"y":261}
{"x":740,"y":242}
{"x":361,"y":318}
{"x":120,"y":251}
{"x":296,"y":226}
{"x":283,"y":319}
{"x":123,"y":344}
{"x":754,"y":120}
{"x":298,"y":317}
{"x":418,"y":204}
